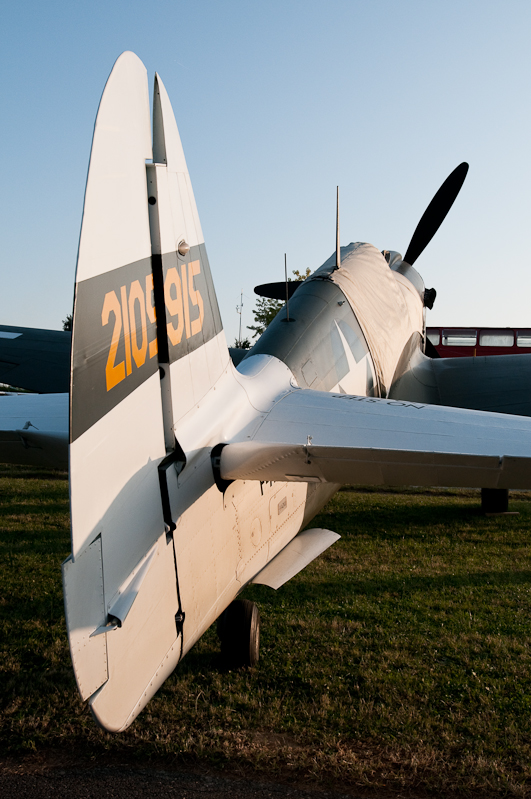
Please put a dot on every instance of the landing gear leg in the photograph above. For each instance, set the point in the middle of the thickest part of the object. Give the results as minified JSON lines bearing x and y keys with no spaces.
{"x":239,"y":632}
{"x":494,"y":500}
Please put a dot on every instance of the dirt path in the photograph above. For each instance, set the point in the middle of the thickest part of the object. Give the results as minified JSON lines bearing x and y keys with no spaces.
{"x":63,"y":776}
{"x":134,"y":783}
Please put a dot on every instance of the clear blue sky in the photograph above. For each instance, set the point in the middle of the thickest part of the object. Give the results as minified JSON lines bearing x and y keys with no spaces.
{"x":277,"y":103}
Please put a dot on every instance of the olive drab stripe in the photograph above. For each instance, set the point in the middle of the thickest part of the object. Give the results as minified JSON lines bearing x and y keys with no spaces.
{"x":116,"y":341}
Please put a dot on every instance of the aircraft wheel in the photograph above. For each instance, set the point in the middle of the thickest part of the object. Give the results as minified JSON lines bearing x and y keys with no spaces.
{"x":239,"y":631}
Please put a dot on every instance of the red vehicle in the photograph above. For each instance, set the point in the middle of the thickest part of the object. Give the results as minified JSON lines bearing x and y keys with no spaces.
{"x":455,"y":342}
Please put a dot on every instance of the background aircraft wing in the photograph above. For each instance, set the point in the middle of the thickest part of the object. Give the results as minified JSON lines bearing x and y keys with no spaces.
{"x":314,"y":436}
{"x":34,"y":429}
{"x":34,"y":359}
{"x":499,"y":383}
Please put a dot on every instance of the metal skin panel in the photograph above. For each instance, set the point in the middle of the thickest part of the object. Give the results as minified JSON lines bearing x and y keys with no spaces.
{"x":304,"y":548}
{"x":84,"y":611}
{"x":114,"y":482}
{"x":497,"y":383}
{"x":115,"y":341}
{"x":117,"y":437}
{"x":115,"y":228}
{"x":144,"y":647}
{"x":45,"y":447}
{"x":322,"y":344}
{"x":196,"y":321}
{"x":168,"y":150}
{"x":217,"y":547}
{"x":311,"y":435}
{"x":193,"y":321}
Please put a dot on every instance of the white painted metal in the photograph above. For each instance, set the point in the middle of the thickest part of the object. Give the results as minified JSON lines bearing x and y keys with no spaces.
{"x":310,"y":435}
{"x":181,"y":221}
{"x":114,"y":483}
{"x":356,"y":379}
{"x":115,"y":496}
{"x":143,"y":648}
{"x":85,"y":608}
{"x":120,"y":607}
{"x":304,"y":548}
{"x":193,"y":375}
{"x":115,"y":228}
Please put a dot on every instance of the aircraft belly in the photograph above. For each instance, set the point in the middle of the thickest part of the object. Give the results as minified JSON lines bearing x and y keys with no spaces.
{"x":222,"y":541}
{"x":266,"y":523}
{"x":317,"y":496}
{"x":286,"y":511}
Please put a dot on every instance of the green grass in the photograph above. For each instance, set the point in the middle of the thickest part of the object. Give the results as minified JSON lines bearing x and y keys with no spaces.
{"x":400,"y":659}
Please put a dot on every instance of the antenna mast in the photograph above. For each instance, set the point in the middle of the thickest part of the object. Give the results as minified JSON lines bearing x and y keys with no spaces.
{"x":287,"y":292}
{"x":338,"y":248}
{"x":239,"y":310}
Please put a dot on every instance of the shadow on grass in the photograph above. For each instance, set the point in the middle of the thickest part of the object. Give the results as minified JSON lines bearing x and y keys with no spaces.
{"x":16,"y":511}
{"x":342,"y":590}
{"x":14,"y":472}
{"x":418,"y":522}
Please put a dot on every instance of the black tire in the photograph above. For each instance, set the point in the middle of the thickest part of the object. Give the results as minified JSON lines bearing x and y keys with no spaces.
{"x":239,"y":631}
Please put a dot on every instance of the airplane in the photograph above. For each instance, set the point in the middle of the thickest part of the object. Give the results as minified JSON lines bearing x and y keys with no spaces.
{"x":190,"y":477}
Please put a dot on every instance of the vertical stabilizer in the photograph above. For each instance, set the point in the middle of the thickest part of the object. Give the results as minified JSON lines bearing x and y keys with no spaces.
{"x":116,"y":426}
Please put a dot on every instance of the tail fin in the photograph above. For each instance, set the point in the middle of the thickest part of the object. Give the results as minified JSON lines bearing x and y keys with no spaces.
{"x":142,"y":301}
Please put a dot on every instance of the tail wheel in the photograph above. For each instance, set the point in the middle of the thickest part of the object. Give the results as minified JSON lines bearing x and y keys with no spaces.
{"x":239,"y":631}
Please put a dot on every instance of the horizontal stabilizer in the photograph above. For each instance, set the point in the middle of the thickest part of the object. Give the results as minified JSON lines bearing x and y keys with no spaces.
{"x":312,"y":436}
{"x":304,"y":548}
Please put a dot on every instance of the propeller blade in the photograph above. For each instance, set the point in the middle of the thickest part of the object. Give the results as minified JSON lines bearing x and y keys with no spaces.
{"x":435,"y":213}
{"x":277,"y":291}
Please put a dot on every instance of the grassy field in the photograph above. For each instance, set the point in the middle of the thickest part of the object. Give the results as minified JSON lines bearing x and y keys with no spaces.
{"x":400,"y":659}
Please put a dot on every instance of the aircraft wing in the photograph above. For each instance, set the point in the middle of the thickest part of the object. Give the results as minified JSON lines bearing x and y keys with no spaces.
{"x":313,"y":436}
{"x":34,"y":429}
{"x":499,"y":383}
{"x":34,"y":359}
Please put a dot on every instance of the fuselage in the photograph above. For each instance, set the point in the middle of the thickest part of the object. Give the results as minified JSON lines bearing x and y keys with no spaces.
{"x":228,"y":533}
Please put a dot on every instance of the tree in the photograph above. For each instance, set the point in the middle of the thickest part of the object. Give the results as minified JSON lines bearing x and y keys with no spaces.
{"x":67,"y":323}
{"x":264,"y":313}
{"x":299,"y":276}
{"x":243,"y":344}
{"x":267,"y":309}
